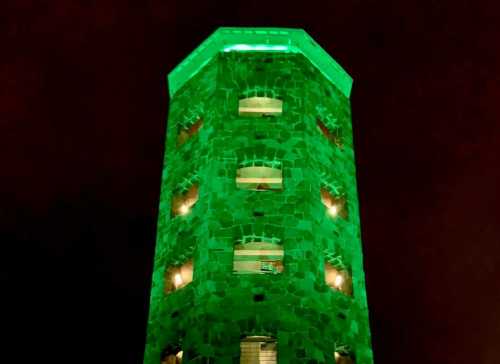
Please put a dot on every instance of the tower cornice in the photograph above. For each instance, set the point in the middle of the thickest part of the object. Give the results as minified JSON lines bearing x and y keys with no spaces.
{"x":282,"y":40}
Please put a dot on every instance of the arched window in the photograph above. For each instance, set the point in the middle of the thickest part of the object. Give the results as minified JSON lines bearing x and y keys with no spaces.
{"x":177,"y":277}
{"x":187,"y":132}
{"x":258,"y":258}
{"x":335,"y":205}
{"x":344,"y":355}
{"x":258,"y":350}
{"x":260,"y":106}
{"x":333,"y":135}
{"x":259,"y":178}
{"x":183,"y":202}
{"x":172,"y":358}
{"x":338,"y":279}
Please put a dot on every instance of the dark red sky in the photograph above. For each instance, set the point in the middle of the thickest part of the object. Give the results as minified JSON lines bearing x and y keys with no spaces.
{"x":83,"y":103}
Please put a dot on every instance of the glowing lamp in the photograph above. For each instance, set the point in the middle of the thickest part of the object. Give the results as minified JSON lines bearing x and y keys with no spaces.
{"x":333,"y":210}
{"x":183,"y":209}
{"x":177,"y":280}
{"x":338,"y":280}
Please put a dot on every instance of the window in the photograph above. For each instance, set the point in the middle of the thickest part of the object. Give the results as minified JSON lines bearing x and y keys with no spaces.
{"x":260,"y":106}
{"x":338,"y":279}
{"x":178,"y":277}
{"x":183,"y":202}
{"x":258,"y":258}
{"x":258,"y":350}
{"x":333,"y":136}
{"x":187,"y":132}
{"x":343,"y":356}
{"x":172,"y":358}
{"x":259,"y":178}
{"x":335,"y":205}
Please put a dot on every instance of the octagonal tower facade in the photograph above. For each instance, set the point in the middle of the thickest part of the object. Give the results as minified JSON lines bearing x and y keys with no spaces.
{"x":258,"y":256}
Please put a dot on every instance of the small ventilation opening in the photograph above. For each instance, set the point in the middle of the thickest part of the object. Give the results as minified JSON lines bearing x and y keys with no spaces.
{"x":338,"y":279}
{"x":335,"y":205}
{"x":186,"y":133}
{"x":178,"y":277}
{"x":341,"y":316}
{"x":259,"y":178}
{"x":258,"y":258}
{"x":258,"y":350}
{"x":260,"y":106}
{"x":259,"y":297}
{"x":183,"y":202}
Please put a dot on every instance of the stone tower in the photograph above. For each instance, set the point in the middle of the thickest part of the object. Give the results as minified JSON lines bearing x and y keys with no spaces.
{"x":258,"y":256}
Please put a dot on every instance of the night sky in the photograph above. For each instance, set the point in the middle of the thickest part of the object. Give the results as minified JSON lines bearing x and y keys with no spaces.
{"x":83,"y":104}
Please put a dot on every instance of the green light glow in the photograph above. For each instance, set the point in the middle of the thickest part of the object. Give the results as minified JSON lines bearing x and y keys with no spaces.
{"x":256,"y":47}
{"x":258,"y":243}
{"x":259,"y":39}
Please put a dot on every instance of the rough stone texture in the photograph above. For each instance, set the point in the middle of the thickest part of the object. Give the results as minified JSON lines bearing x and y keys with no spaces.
{"x":209,"y":317}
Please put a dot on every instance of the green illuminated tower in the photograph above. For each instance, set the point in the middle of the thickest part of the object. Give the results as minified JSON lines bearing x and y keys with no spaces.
{"x":258,"y":256}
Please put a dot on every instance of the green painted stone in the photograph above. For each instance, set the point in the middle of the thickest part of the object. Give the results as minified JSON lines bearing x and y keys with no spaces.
{"x":208,"y":318}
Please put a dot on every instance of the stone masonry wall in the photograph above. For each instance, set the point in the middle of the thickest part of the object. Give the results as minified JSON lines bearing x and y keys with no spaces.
{"x":209,"y":317}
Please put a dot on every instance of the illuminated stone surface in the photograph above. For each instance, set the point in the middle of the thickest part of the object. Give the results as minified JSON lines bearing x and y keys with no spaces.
{"x":208,"y":318}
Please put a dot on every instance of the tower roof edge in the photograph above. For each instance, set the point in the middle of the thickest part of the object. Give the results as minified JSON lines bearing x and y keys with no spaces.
{"x":242,"y":39}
